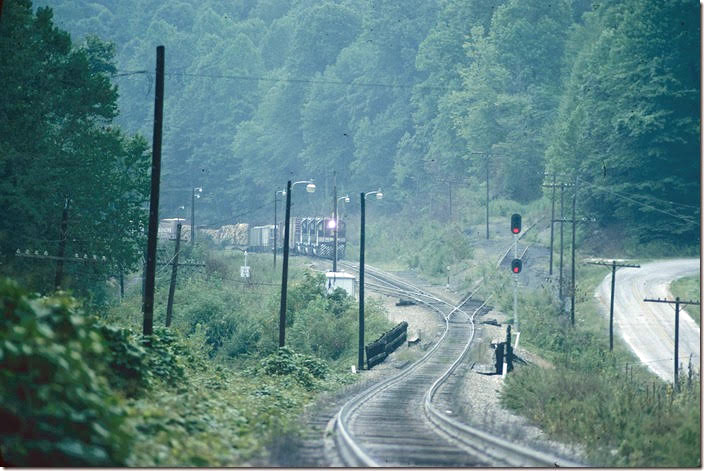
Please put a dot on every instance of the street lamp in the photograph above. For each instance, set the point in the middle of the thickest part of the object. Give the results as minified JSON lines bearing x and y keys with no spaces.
{"x":336,"y":223}
{"x":197,"y":190}
{"x":283,"y":192}
{"x":310,"y":188}
{"x":362,"y":199}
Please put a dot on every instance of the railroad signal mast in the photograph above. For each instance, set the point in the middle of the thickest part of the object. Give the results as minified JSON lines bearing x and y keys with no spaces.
{"x":516,"y":263}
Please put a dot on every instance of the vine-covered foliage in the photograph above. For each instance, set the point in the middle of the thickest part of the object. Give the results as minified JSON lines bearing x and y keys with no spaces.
{"x":56,"y":406}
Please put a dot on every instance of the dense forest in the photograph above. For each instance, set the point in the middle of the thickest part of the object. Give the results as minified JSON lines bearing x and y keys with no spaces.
{"x":415,"y":97}
{"x":409,"y":96}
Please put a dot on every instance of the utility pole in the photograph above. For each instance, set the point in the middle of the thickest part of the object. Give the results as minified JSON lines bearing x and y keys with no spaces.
{"x":360,"y":355}
{"x":562,"y":220}
{"x":487,"y":196}
{"x":62,"y":246}
{"x":148,"y":306}
{"x":552,"y":218}
{"x":275,"y":193}
{"x":195,"y":194}
{"x":172,"y":286}
{"x":613,"y":266}
{"x":362,"y":198}
{"x":562,"y":246}
{"x":310,"y":188}
{"x":284,"y":274}
{"x":574,"y":219}
{"x":449,"y":190}
{"x":677,"y":304}
{"x":487,"y":157}
{"x":334,"y":216}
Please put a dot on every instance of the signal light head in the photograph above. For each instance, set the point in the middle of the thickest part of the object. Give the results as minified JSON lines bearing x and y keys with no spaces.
{"x":515,"y":223}
{"x":516,"y":265}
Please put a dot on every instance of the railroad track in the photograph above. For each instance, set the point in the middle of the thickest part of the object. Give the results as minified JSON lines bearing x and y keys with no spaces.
{"x":407,"y":419}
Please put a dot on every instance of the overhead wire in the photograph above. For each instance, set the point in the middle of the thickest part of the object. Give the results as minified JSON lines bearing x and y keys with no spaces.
{"x":627,"y":198}
{"x":286,"y":80}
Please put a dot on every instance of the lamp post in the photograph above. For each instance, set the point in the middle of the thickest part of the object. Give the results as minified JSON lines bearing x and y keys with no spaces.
{"x":283,"y":192}
{"x":362,"y":199}
{"x":310,"y":188}
{"x":195,"y":193}
{"x":346,"y":199}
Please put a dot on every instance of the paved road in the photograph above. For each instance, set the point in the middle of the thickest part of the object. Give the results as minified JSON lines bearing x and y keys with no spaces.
{"x":649,"y":328}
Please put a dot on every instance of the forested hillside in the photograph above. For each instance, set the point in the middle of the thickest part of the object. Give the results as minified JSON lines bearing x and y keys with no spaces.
{"x":408,"y":95}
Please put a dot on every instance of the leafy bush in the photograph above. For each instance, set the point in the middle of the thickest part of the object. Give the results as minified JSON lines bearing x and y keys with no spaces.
{"x":301,"y":367}
{"x":56,"y":408}
{"x":126,"y":360}
{"x":166,"y":356}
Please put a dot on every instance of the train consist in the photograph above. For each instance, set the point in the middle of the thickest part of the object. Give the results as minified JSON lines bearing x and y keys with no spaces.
{"x":307,"y":236}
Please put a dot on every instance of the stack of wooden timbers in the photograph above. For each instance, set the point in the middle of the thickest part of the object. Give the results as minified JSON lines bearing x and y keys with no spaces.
{"x":379,"y":349}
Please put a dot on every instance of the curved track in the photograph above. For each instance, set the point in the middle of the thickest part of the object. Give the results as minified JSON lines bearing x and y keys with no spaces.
{"x":407,"y":420}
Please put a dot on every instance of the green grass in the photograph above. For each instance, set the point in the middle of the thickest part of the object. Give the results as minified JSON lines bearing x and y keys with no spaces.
{"x":689,"y":288}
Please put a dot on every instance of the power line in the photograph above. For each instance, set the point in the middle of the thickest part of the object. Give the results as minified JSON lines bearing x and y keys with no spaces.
{"x":288,"y":80}
{"x":606,"y":190}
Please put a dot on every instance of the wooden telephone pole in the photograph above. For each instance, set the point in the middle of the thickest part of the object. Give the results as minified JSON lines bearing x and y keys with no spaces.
{"x":677,"y":302}
{"x":150,"y":272}
{"x":613,"y":266}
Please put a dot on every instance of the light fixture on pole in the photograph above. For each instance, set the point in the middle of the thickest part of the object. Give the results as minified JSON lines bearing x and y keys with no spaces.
{"x":310,"y":188}
{"x":362,"y":199}
{"x":195,"y":194}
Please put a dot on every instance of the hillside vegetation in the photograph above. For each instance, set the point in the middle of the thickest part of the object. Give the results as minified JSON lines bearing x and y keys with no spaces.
{"x":412,"y":95}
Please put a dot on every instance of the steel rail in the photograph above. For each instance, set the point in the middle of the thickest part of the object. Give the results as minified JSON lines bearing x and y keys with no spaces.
{"x":492,"y":446}
{"x":472,"y":440}
{"x":350,"y":452}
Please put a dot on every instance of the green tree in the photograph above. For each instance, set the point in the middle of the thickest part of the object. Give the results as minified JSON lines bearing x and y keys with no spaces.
{"x":510,"y":91}
{"x":628,"y":120}
{"x":57,"y":144}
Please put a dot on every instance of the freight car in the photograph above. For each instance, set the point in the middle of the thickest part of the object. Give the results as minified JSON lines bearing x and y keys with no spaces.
{"x":312,"y":236}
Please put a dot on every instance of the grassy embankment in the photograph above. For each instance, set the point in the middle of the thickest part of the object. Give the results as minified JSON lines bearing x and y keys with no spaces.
{"x":608,"y":402}
{"x":689,"y":288}
{"x":213,"y":390}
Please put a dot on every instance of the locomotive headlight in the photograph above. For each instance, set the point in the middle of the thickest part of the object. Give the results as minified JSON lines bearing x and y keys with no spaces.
{"x":310,"y":188}
{"x":331,"y":224}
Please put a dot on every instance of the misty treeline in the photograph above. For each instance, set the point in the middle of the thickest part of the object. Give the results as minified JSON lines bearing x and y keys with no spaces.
{"x":400,"y":95}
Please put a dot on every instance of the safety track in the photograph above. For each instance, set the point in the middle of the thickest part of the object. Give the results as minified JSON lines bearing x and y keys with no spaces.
{"x":384,"y":426}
